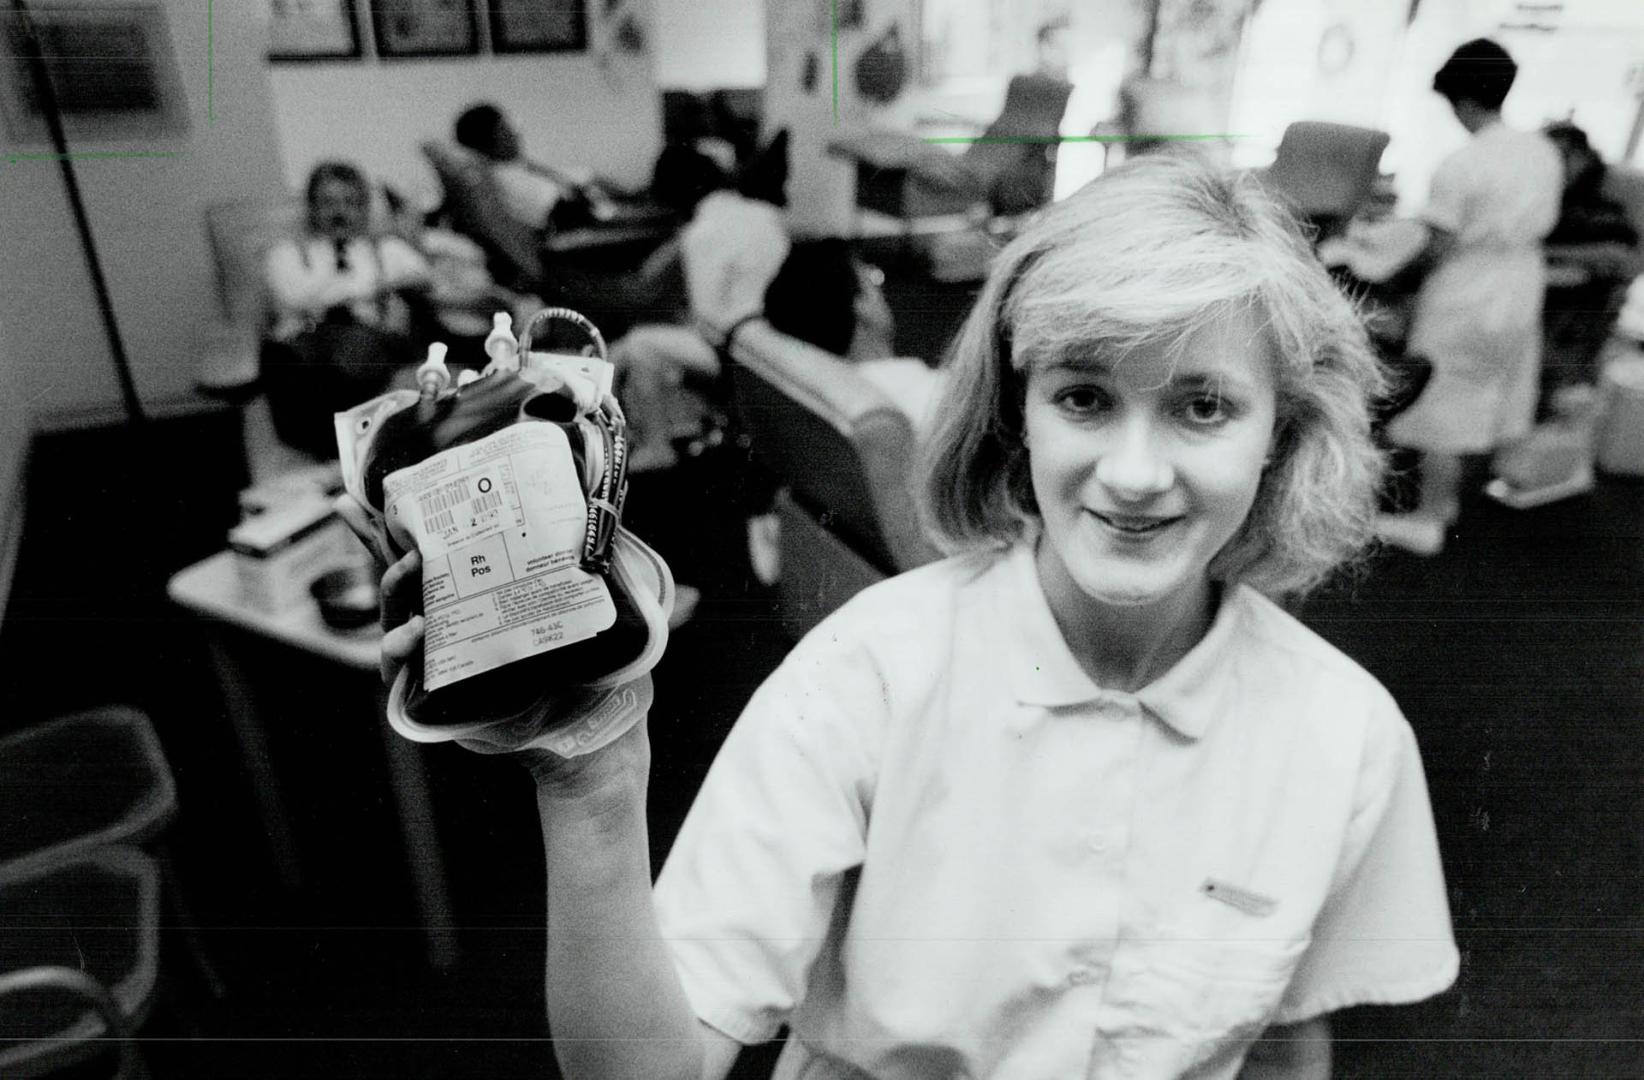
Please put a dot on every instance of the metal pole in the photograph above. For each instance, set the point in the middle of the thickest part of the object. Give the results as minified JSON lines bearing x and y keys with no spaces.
{"x":34,"y":49}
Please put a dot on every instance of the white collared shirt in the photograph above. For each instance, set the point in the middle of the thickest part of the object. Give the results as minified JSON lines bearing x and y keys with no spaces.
{"x":935,"y":848}
{"x":304,"y":279}
{"x":732,"y":250}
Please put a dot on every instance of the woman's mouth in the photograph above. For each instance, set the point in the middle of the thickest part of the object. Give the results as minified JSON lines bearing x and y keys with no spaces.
{"x":1134,"y":525}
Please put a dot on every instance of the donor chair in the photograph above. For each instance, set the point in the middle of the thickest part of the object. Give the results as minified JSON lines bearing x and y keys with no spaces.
{"x":1008,"y":169}
{"x":476,"y":209}
{"x":1326,"y":172}
{"x":840,"y":449}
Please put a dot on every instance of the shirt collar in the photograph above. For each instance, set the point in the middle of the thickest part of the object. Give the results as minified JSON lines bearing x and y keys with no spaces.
{"x":1043,"y":670}
{"x":1196,"y":688}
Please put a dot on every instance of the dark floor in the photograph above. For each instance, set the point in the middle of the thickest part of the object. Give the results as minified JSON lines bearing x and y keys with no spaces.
{"x":1518,"y":655}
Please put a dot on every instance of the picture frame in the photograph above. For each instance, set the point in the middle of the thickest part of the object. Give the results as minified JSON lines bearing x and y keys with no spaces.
{"x":410,"y":28}
{"x":113,"y":72}
{"x":313,"y":30}
{"x":519,"y":26}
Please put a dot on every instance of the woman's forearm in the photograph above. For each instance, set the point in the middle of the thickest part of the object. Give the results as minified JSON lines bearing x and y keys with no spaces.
{"x":615,"y":1006}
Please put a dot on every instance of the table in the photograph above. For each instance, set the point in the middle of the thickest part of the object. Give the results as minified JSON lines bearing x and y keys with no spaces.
{"x":208,"y":589}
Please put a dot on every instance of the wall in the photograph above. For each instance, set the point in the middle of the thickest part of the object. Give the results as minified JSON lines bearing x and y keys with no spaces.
{"x":1105,"y":35}
{"x":1315,"y":59}
{"x":1574,"y":60}
{"x":821,"y":189}
{"x":570,"y":111}
{"x":708,"y":44}
{"x":147,"y":217}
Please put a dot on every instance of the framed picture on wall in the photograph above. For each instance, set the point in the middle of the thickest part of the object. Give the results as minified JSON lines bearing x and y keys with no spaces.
{"x":112,"y":69}
{"x":312,"y":30}
{"x":538,"y":26}
{"x":425,"y":27}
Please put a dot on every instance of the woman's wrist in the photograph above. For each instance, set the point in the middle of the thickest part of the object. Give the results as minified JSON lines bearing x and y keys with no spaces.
{"x":607,"y":779}
{"x":592,"y":807}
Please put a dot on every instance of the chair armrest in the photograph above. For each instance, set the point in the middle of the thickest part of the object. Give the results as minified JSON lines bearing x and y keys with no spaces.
{"x":1609,"y":260}
{"x":59,"y":1047}
{"x":854,"y":458}
{"x":900,"y":151}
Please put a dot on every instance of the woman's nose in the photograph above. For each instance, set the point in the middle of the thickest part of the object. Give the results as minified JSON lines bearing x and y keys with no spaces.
{"x":1134,"y":465}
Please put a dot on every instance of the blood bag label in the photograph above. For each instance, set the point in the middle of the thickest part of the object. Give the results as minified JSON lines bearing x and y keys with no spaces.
{"x":500,"y":524}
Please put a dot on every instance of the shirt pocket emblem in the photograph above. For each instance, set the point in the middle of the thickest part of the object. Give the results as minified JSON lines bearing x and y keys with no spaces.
{"x":1240,"y":899}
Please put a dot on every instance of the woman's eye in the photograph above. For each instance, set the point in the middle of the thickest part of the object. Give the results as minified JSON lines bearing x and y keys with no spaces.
{"x":1207,"y":409}
{"x":1080,"y":399}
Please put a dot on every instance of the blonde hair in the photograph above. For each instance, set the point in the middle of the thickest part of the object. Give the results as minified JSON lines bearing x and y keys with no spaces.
{"x":1150,"y":252}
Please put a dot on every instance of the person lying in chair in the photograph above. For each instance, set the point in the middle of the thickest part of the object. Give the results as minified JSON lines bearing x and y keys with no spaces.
{"x":541,"y":205}
{"x":538,"y":195}
{"x":349,"y":305}
{"x":669,"y":375}
{"x":826,"y":297}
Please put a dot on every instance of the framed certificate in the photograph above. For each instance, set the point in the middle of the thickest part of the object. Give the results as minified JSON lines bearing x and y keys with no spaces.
{"x":112,"y":70}
{"x":425,"y":27}
{"x":312,"y":30}
{"x":538,"y":26}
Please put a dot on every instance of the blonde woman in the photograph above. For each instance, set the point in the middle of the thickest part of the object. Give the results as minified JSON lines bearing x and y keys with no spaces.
{"x":1082,"y":799}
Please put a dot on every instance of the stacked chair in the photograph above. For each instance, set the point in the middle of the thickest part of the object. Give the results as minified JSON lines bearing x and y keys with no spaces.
{"x":85,"y":799}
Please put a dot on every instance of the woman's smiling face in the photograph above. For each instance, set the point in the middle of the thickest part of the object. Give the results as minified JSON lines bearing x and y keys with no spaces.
{"x":1145,"y":464}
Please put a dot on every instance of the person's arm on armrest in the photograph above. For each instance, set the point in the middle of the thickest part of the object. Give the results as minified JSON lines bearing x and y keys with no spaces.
{"x":1408,"y":276}
{"x":297,"y":286}
{"x":403,"y":266}
{"x":1290,"y":1052}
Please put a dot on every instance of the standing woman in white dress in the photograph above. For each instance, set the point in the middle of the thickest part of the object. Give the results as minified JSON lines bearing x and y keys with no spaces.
{"x":1478,"y":316}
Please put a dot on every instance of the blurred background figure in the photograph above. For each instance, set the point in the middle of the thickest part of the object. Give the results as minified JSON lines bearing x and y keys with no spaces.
{"x":714,"y":275}
{"x":1477,"y":316}
{"x":349,"y":308}
{"x":538,"y":195}
{"x":1592,"y":254}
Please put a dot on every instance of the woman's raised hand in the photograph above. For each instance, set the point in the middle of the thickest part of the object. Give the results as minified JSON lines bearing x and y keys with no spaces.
{"x":623,"y":762}
{"x":401,"y":592}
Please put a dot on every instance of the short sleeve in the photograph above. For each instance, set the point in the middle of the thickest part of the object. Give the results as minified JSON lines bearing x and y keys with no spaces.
{"x":747,"y":895}
{"x":1447,"y":195}
{"x":1384,"y":934}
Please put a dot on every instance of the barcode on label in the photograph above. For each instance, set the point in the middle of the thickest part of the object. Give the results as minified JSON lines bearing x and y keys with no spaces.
{"x":444,"y":497}
{"x":438,"y":506}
